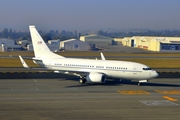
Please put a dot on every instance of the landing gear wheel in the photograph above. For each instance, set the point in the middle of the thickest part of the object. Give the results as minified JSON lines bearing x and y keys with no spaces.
{"x":139,"y":84}
{"x":81,"y":81}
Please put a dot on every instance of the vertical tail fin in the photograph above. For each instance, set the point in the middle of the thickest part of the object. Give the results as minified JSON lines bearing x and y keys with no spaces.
{"x":41,"y":50}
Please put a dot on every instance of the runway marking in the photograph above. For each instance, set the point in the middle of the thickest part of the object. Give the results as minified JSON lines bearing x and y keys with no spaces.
{"x":35,"y":80}
{"x":158,"y":103}
{"x":169,"y":98}
{"x":133,"y":92}
{"x":168,"y":91}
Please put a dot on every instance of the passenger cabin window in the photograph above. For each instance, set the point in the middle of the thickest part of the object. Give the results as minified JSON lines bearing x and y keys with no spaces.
{"x":100,"y":67}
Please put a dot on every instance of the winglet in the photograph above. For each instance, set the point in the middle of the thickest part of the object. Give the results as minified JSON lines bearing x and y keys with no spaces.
{"x":23,"y":62}
{"x":102,"y":56}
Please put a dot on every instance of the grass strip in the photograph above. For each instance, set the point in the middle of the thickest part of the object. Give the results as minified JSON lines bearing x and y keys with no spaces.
{"x":152,"y":62}
{"x":90,"y":53}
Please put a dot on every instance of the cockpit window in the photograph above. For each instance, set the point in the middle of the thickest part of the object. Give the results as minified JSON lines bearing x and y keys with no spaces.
{"x":147,"y":69}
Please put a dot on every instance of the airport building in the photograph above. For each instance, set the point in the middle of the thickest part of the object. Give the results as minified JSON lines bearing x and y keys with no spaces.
{"x":68,"y":45}
{"x":53,"y":48}
{"x":74,"y":45}
{"x":152,"y":43}
{"x":54,"y":42}
{"x":53,"y":45}
{"x":8,"y":45}
{"x":120,"y":40}
{"x":96,"y":39}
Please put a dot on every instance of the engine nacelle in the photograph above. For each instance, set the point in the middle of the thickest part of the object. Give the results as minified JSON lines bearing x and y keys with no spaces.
{"x":96,"y":78}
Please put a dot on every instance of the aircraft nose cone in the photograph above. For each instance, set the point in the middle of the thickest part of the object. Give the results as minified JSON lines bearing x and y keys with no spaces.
{"x":155,"y":74}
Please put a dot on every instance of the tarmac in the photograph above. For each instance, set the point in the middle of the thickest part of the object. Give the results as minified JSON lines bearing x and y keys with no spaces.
{"x":66,"y":99}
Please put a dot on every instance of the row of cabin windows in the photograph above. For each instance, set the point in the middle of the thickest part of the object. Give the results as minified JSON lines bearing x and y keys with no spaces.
{"x":91,"y":66}
{"x":74,"y":65}
{"x":117,"y":68}
{"x":100,"y":67}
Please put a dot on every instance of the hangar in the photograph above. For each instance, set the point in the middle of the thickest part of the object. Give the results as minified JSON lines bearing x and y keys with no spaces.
{"x":52,"y":44}
{"x":125,"y":41}
{"x":8,"y":45}
{"x":74,"y":45}
{"x":69,"y":45}
{"x":52,"y":47}
{"x":96,"y":39}
{"x":153,"y":43}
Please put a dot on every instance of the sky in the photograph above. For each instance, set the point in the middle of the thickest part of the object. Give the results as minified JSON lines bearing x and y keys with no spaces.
{"x":90,"y":14}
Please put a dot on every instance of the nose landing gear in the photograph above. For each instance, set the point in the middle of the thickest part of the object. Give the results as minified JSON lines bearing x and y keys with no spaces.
{"x":142,"y":81}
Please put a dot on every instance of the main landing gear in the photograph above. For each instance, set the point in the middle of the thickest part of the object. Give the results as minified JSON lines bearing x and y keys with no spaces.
{"x":82,"y":80}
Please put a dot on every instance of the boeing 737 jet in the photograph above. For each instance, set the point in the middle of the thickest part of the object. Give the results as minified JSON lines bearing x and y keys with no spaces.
{"x":88,"y":70}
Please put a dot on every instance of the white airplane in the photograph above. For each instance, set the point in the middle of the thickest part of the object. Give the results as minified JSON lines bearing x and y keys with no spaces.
{"x":88,"y":70}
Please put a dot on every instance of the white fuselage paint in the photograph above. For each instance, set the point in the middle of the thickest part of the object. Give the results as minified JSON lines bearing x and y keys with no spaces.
{"x":87,"y":67}
{"x":114,"y":69}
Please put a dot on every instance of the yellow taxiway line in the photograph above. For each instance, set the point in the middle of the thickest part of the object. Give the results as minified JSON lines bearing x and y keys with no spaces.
{"x":168,"y":91}
{"x":169,"y":98}
{"x":133,"y":92}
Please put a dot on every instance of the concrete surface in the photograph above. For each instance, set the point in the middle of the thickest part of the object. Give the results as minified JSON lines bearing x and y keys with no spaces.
{"x":66,"y":99}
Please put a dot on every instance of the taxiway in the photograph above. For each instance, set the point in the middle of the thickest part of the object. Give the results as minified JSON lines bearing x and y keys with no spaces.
{"x":67,"y":99}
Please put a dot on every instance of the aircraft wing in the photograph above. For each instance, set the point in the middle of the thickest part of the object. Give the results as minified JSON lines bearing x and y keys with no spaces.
{"x":26,"y":66}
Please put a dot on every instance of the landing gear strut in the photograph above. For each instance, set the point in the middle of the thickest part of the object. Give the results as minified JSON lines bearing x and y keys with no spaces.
{"x":142,"y":81}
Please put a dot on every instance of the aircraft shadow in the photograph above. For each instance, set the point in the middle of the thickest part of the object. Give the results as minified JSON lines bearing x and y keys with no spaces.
{"x":151,"y":84}
{"x":124,"y":82}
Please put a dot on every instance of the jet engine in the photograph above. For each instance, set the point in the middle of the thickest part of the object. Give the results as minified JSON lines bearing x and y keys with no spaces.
{"x":96,"y":78}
